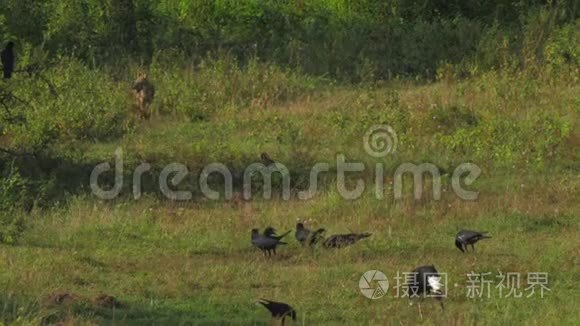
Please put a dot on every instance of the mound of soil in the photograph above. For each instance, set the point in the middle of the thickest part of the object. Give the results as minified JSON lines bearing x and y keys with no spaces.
{"x":107,"y":301}
{"x":60,"y":298}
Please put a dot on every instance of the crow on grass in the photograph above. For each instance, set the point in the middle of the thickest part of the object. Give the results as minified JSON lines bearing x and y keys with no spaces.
{"x":466,"y":237}
{"x":425,"y":281}
{"x":279,"y":310}
{"x":343,"y":240}
{"x":308,"y":237}
{"x":271,"y":232}
{"x":267,"y":242}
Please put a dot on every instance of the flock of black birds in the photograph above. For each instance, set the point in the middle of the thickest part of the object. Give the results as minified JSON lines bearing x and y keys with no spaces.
{"x":268,"y":240}
{"x":423,"y":280}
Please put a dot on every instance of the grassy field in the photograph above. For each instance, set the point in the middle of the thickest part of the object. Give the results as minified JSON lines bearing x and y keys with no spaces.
{"x":192,"y":262}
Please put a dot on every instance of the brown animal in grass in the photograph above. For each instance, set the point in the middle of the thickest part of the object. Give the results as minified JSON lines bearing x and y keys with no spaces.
{"x":144,"y":94}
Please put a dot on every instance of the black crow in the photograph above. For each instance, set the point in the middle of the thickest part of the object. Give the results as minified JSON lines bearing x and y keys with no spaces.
{"x":265,"y":243}
{"x":466,"y":237}
{"x":343,"y":240}
{"x":306,"y":236}
{"x":279,"y":310}
{"x":7,"y":58}
{"x":266,"y":159}
{"x":425,"y":280}
{"x":271,"y":232}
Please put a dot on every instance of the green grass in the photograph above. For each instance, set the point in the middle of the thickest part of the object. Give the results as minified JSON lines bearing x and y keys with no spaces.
{"x":494,"y":83}
{"x":192,"y":263}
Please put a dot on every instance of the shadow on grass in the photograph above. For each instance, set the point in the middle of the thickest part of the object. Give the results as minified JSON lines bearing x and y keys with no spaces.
{"x":15,"y":309}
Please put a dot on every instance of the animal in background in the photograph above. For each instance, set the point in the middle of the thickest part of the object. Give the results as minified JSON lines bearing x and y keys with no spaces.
{"x":144,"y":94}
{"x":7,"y":58}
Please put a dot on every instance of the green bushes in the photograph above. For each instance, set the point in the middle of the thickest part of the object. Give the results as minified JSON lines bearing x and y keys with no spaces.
{"x":14,"y":195}
{"x":214,"y":61}
{"x":47,"y":118}
{"x":562,"y":51}
{"x":221,"y":83}
{"x":446,"y":120}
{"x":545,"y":38}
{"x":65,"y":104}
{"x":530,"y":141}
{"x":366,"y":40}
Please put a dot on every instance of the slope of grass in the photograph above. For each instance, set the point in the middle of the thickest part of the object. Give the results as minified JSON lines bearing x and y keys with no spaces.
{"x":192,"y":262}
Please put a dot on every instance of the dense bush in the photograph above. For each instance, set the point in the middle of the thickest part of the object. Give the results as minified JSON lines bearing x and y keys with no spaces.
{"x":529,"y":142}
{"x":62,"y":105}
{"x":219,"y":83}
{"x":14,"y":195}
{"x":350,"y":40}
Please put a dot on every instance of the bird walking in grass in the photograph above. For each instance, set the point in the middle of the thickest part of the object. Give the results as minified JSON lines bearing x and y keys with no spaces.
{"x":267,"y":242}
{"x":308,"y":237}
{"x":271,"y":232}
{"x":279,"y":310}
{"x":266,"y":159}
{"x":7,"y":58}
{"x":466,"y":237}
{"x":343,"y":240}
{"x":423,"y":281}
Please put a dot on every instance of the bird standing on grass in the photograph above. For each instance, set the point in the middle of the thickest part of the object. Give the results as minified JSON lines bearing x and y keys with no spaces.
{"x":466,"y":237}
{"x":268,"y":241}
{"x":271,"y":232}
{"x":306,"y":236}
{"x":7,"y":58}
{"x":266,"y":159}
{"x":279,"y":310}
{"x":423,"y":281}
{"x":343,"y":240}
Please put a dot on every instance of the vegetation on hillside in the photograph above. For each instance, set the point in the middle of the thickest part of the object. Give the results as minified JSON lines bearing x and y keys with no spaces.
{"x":495,"y":83}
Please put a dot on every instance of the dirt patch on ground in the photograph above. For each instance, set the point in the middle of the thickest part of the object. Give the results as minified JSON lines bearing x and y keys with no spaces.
{"x":107,"y":301}
{"x":60,"y":299}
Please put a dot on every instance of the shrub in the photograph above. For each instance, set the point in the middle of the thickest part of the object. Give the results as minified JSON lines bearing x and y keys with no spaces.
{"x":13,"y":196}
{"x":531,"y":141}
{"x":216,"y":84}
{"x":66,"y":104}
{"x":562,"y":51}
